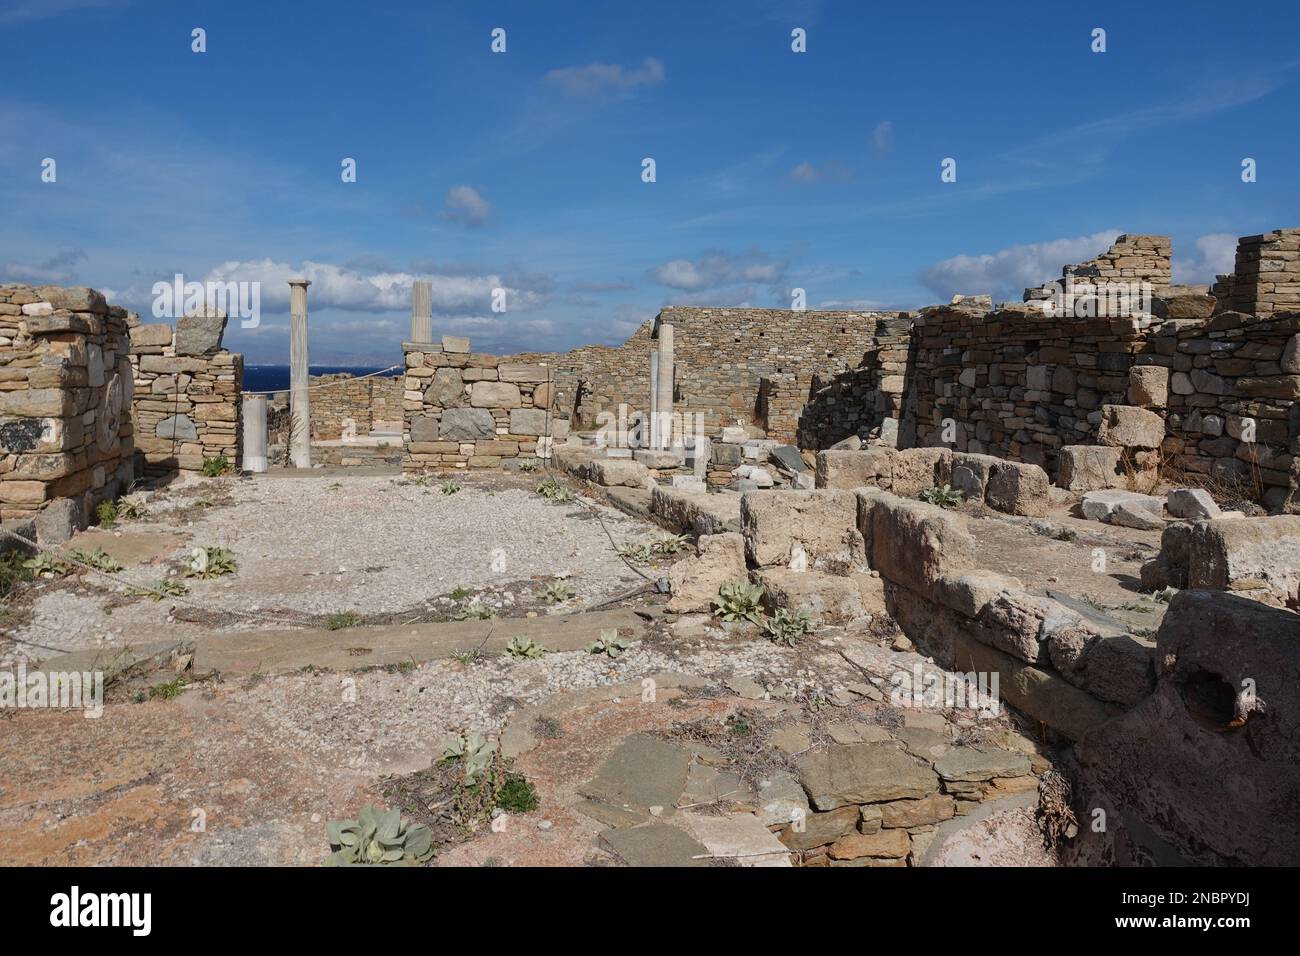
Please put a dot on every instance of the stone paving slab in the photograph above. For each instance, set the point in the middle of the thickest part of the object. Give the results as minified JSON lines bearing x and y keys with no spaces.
{"x":279,"y":651}
{"x":655,"y":844}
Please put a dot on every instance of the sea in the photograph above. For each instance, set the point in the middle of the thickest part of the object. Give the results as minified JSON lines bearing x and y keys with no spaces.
{"x":275,"y":378}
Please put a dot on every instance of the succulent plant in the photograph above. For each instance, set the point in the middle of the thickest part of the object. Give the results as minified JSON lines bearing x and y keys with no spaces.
{"x":638,"y":551}
{"x":521,"y":646}
{"x":944,"y":497}
{"x":450,"y":487}
{"x":739,"y":601}
{"x":378,"y":837}
{"x":159,"y":589}
{"x":669,"y":544}
{"x":609,"y":644}
{"x":785,"y":628}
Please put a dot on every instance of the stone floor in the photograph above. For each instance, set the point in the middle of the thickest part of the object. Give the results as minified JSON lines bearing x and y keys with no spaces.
{"x":238,"y":738}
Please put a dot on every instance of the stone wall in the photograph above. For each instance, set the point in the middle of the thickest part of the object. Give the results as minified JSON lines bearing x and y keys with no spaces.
{"x":65,"y":399}
{"x":354,"y":405}
{"x":464,"y":409}
{"x":187,"y":394}
{"x":1127,"y":264}
{"x":1266,"y":275}
{"x":721,"y":355}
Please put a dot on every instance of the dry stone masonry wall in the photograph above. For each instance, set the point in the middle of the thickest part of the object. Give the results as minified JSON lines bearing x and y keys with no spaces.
{"x":354,"y":406}
{"x":465,"y":409}
{"x":65,"y":399}
{"x":187,"y":388}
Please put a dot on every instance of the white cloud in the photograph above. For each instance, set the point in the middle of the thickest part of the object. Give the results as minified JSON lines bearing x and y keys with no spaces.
{"x":1008,"y":272}
{"x":714,"y":270}
{"x":1216,"y":254}
{"x":354,"y":291}
{"x":466,"y":205}
{"x":598,"y":78}
{"x":882,"y":138}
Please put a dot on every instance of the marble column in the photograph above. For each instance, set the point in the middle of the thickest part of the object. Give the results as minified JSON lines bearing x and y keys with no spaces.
{"x":422,"y":312}
{"x":254,"y":434}
{"x":650,"y":433}
{"x":299,"y":395}
{"x":664,"y":386}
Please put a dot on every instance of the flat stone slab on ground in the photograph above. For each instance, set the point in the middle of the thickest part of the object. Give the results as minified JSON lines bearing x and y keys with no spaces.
{"x":655,"y":844}
{"x":863,"y":773}
{"x":741,"y":837}
{"x":643,"y":772}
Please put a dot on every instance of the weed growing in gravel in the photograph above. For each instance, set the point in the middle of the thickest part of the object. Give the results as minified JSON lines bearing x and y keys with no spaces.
{"x":106,"y":513}
{"x":516,"y":794}
{"x":378,"y":838}
{"x":638,"y":551}
{"x":47,"y":566}
{"x":215,"y":467}
{"x":558,"y":593}
{"x":524,"y":647}
{"x":165,"y":691}
{"x":459,"y":593}
{"x":529,"y":464}
{"x":609,"y":644}
{"x":786,"y":628}
{"x":210,"y":563}
{"x":554,"y":490}
{"x":341,"y":620}
{"x":450,"y":487}
{"x":160,"y":589}
{"x":669,"y":544}
{"x":98,"y":559}
{"x":475,"y":610}
{"x":739,"y":601}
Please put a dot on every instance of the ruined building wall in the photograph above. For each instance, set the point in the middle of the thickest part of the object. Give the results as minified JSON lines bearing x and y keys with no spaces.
{"x":65,"y":399}
{"x":1266,"y":275}
{"x":464,"y":409}
{"x":368,"y":404}
{"x":721,"y":355}
{"x":187,"y":395}
{"x":1131,"y":260}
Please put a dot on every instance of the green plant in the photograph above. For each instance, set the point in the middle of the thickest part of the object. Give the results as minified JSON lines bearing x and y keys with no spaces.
{"x":476,"y":610}
{"x":160,"y":589}
{"x":557,"y":593}
{"x":516,"y":794}
{"x":106,"y":513}
{"x":637,"y":551}
{"x":168,"y":690}
{"x":785,"y":628}
{"x":944,"y":497}
{"x":210,"y":563}
{"x":13,"y":569}
{"x":342,"y":620}
{"x":45,"y":565}
{"x":609,"y":644}
{"x":378,"y":838}
{"x":739,"y":601}
{"x":529,"y":464}
{"x":473,"y":751}
{"x":669,"y":544}
{"x":215,"y":467}
{"x":521,"y":646}
{"x":130,"y":510}
{"x":450,"y":487}
{"x":459,"y":593}
{"x":554,"y":490}
{"x":1164,"y":595}
{"x":98,"y":559}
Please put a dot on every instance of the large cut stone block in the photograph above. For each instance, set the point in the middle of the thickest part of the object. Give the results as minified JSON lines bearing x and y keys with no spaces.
{"x":916,"y":469}
{"x":612,"y":472}
{"x":1243,"y":554}
{"x":200,"y":334}
{"x":151,"y":335}
{"x":695,"y":511}
{"x":863,"y":773}
{"x":970,"y":474}
{"x":446,"y":389}
{"x":915,"y":544}
{"x":179,"y":427}
{"x":466,"y":424}
{"x":822,"y":525}
{"x":528,"y":421}
{"x":1124,"y":426}
{"x":854,"y":469}
{"x":826,"y":598}
{"x":695,"y":580}
{"x":1148,"y":386}
{"x":1088,"y":467}
{"x":494,"y":395}
{"x":1018,"y":489}
{"x":514,"y":372}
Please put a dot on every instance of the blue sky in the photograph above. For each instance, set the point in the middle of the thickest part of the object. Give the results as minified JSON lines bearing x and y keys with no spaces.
{"x":522,"y":170}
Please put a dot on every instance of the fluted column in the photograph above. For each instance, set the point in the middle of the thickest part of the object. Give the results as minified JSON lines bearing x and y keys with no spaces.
{"x":299,"y":395}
